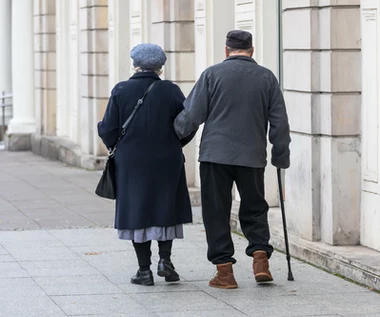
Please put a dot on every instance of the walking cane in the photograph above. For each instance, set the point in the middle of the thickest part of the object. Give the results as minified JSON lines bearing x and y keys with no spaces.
{"x":290,"y":274}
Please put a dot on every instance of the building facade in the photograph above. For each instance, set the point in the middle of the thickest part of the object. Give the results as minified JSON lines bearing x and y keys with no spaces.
{"x":67,"y":56}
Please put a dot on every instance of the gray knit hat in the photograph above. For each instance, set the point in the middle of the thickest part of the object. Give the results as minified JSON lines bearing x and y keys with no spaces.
{"x":148,"y":56}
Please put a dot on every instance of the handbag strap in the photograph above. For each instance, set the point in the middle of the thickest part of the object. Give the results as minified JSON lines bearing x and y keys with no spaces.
{"x":128,"y":121}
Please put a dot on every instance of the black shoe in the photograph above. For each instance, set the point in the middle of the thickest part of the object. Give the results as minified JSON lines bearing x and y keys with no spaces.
{"x":143,"y":278}
{"x":166,"y":269}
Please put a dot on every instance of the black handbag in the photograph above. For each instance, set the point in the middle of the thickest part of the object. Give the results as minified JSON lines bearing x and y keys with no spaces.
{"x":107,"y":184}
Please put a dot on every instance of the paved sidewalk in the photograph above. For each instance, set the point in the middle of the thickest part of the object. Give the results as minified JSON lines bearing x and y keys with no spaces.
{"x":55,"y":271}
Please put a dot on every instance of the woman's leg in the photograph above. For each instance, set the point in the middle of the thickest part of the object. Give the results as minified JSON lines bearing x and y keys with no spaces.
{"x":143,"y":254}
{"x":165,"y":266}
{"x":144,"y":275}
{"x":165,"y":249}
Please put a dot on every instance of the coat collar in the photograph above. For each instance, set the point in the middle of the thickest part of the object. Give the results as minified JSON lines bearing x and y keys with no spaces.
{"x":152,"y":75}
{"x":240,"y":57}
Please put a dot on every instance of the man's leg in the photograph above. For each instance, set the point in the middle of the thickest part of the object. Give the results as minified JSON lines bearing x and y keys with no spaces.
{"x":216,"y":187}
{"x":253,"y":216}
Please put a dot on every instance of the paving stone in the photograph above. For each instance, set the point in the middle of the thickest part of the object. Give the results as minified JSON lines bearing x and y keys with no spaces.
{"x":85,"y":237}
{"x":300,"y":305}
{"x":6,"y":205}
{"x":92,"y":261}
{"x":19,"y":287}
{"x":42,"y":253}
{"x":21,"y":236}
{"x":129,"y":314}
{"x":377,"y":314}
{"x":77,"y":200}
{"x":179,"y":301}
{"x":14,"y":218}
{"x":61,"y":219}
{"x":58,"y":268}
{"x":101,"y":218}
{"x":77,"y":285}
{"x":12,"y":270}
{"x":98,"y":249}
{"x":160,"y":286}
{"x":100,"y":304}
{"x":29,"y":307}
{"x":206,"y":313}
{"x":3,"y":251}
{"x":112,"y":262}
{"x":91,"y":208}
{"x":6,"y":258}
{"x":46,"y":205}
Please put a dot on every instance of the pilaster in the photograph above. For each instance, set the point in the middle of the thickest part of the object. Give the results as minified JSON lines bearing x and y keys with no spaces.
{"x":5,"y":55}
{"x":321,"y":41}
{"x":45,"y":66}
{"x":94,"y":72}
{"x":23,"y":122}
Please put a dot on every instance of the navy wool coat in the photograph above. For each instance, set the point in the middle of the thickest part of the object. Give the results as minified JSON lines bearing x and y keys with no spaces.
{"x":151,"y":187}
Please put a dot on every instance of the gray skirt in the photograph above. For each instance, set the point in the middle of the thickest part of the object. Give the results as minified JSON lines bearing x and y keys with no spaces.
{"x":152,"y":233}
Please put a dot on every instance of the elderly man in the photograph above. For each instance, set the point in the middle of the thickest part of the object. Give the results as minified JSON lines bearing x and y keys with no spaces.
{"x":236,"y":100}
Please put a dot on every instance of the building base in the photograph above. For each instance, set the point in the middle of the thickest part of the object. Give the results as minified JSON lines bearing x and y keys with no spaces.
{"x":70,"y":153}
{"x":356,"y":262}
{"x":66,"y":151}
{"x":17,"y":142}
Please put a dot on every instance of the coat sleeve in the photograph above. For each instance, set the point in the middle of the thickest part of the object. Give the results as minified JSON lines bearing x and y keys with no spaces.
{"x":179,"y":98}
{"x":108,"y":128}
{"x":279,"y":134}
{"x":196,"y":109}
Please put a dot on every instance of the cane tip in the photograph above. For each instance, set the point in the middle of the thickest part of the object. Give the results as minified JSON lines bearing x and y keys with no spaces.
{"x":290,"y":276}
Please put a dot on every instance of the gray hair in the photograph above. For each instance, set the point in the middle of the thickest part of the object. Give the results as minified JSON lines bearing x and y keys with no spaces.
{"x":140,"y":70}
{"x":239,"y":50}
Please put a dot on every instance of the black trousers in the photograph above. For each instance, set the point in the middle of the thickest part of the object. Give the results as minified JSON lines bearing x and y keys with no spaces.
{"x":144,"y":253}
{"x":216,"y":193}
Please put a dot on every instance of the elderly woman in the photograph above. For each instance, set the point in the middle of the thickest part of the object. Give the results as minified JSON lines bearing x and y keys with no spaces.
{"x":152,"y":199}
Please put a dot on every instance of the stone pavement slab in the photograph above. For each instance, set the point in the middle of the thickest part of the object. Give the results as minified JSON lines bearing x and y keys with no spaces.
{"x":37,"y":193}
{"x":97,"y":282}
{"x":74,"y":265}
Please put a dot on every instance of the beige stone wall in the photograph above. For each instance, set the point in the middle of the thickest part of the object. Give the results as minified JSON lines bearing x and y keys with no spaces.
{"x":322,"y":82}
{"x":370,"y":150}
{"x":45,"y":66}
{"x":173,"y":29}
{"x":94,"y":91}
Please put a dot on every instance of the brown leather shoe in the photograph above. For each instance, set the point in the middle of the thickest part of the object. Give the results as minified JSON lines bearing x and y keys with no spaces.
{"x":261,"y":267}
{"x":224,"y":277}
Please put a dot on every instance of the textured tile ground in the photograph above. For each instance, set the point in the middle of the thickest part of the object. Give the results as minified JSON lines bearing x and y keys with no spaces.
{"x":85,"y":271}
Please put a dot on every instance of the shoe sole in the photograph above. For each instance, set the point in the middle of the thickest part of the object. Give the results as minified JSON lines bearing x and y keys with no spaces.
{"x":166,"y":274}
{"x":263,"y":278}
{"x":163,"y":273}
{"x":144,"y":284}
{"x":224,"y":286}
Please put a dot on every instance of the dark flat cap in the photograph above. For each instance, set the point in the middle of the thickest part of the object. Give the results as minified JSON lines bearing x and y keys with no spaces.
{"x":239,"y":39}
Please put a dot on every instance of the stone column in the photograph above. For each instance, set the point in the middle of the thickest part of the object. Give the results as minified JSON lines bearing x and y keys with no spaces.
{"x":322,"y":82}
{"x":68,"y":70}
{"x":212,"y":19}
{"x":45,"y":66}
{"x":260,"y":18}
{"x":5,"y":54}
{"x":23,"y":122}
{"x":172,"y":27}
{"x":370,"y":199}
{"x":119,"y":46}
{"x":94,"y":72}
